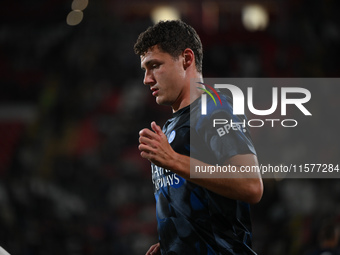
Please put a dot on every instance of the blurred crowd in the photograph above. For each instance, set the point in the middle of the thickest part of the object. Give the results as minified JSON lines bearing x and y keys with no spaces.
{"x":72,"y":103}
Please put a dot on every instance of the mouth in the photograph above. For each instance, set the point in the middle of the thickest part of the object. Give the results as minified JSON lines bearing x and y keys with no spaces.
{"x":154,"y":91}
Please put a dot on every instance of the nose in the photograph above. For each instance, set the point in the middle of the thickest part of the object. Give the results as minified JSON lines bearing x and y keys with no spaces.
{"x":149,"y":79}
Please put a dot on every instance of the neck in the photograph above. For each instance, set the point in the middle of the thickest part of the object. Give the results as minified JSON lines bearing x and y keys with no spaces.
{"x":189,"y":93}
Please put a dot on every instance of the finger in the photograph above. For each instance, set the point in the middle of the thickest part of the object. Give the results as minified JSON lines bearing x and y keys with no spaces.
{"x":156,"y":249}
{"x":151,"y":157}
{"x":151,"y":249}
{"x":147,"y":141}
{"x":147,"y":149}
{"x":148,"y":133}
{"x":156,"y":128}
{"x":143,"y":154}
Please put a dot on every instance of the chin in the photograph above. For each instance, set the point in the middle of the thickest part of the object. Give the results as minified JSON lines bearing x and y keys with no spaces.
{"x":161,"y":101}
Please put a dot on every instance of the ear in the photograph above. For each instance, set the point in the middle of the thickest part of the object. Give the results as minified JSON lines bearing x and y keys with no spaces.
{"x":188,"y":58}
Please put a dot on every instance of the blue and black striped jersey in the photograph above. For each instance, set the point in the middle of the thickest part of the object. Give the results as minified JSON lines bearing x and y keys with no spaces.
{"x":192,"y":219}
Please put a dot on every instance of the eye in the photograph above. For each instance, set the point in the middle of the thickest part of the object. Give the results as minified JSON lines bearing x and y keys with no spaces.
{"x":155,"y":66}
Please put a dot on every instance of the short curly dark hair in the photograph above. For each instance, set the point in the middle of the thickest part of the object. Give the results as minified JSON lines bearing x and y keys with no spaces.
{"x":172,"y":37}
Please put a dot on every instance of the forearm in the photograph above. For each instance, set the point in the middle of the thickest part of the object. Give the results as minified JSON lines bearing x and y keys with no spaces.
{"x":247,"y":187}
{"x":236,"y":185}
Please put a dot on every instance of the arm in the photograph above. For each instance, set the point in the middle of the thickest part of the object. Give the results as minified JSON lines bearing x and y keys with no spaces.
{"x":154,"y":146}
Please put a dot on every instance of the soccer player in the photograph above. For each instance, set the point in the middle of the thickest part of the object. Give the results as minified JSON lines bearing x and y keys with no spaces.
{"x":195,"y":215}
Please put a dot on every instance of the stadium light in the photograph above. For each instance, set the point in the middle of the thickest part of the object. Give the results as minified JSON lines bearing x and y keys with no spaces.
{"x":164,"y":13}
{"x":76,"y":15}
{"x":79,"y":5}
{"x":74,"y":18}
{"x":255,"y":17}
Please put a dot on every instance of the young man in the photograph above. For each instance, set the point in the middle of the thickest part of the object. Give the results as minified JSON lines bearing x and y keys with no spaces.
{"x":195,"y":215}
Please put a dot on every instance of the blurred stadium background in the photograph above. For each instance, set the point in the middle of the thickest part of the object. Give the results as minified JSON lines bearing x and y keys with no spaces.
{"x":72,"y":103}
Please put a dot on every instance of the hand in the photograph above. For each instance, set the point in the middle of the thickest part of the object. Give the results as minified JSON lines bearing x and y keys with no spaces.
{"x":155,"y":147}
{"x":154,"y":250}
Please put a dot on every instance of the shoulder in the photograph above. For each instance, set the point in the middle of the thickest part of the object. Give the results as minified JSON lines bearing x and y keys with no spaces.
{"x":206,"y":108}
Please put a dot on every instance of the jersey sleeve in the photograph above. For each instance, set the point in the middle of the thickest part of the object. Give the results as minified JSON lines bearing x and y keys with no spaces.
{"x":224,"y":134}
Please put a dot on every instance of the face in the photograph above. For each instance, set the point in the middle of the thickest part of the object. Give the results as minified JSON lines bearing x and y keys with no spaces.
{"x":165,"y":76}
